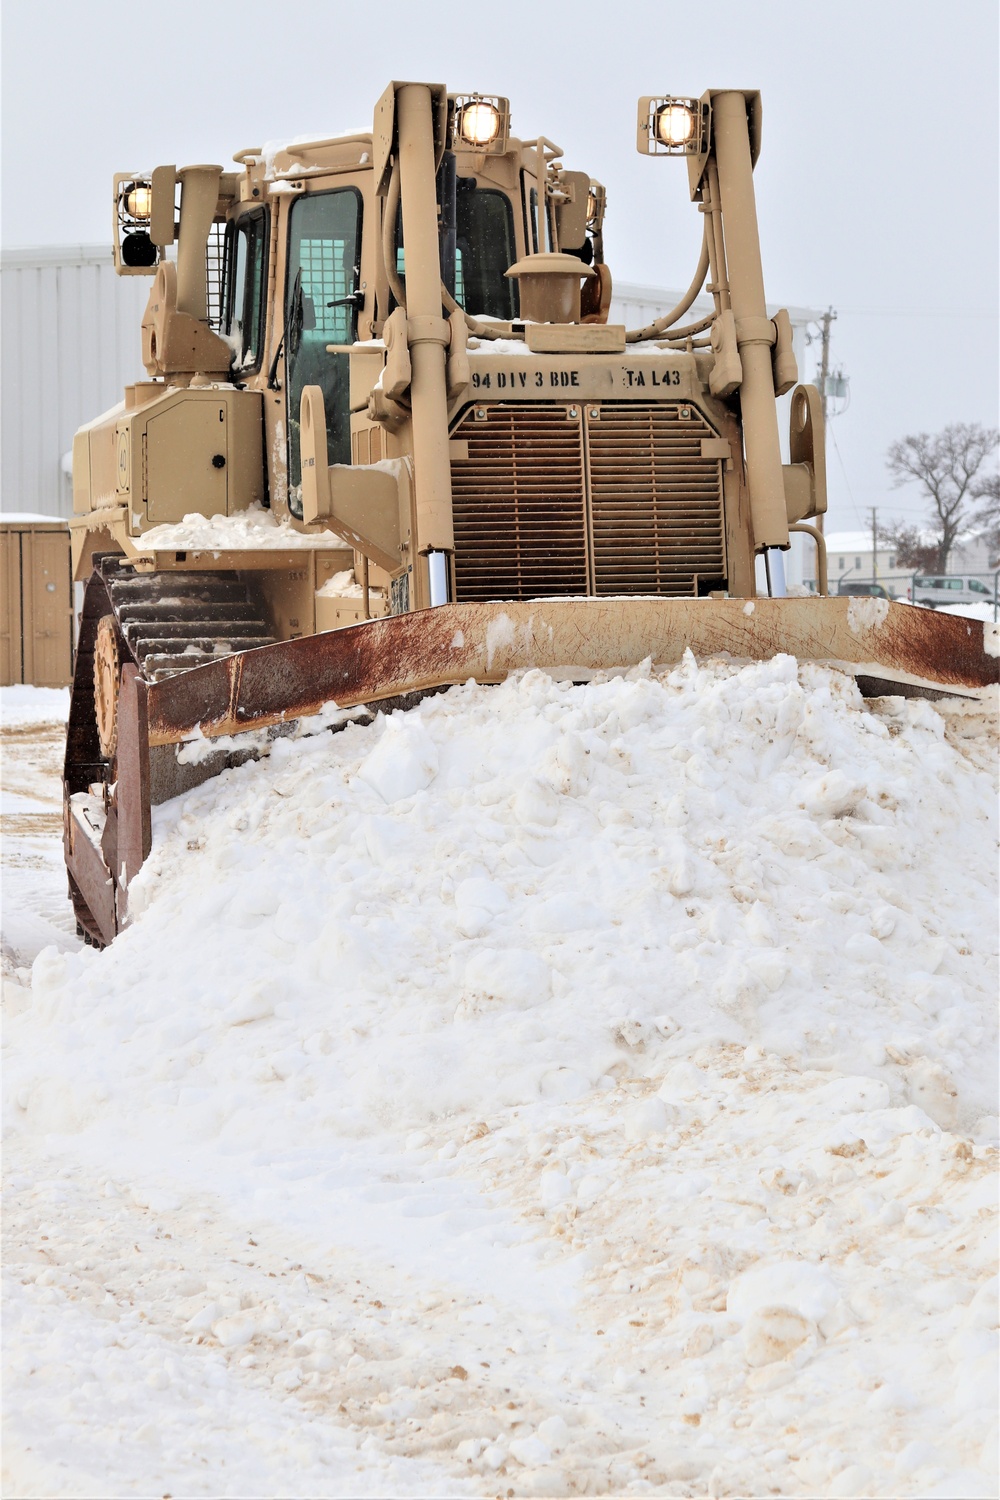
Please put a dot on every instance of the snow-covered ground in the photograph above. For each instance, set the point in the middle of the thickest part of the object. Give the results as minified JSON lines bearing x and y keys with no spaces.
{"x":984,"y":612}
{"x":551,"y":1090}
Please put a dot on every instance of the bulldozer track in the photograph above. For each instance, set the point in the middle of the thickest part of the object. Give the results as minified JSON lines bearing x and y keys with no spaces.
{"x":162,"y":625}
{"x":172,"y":622}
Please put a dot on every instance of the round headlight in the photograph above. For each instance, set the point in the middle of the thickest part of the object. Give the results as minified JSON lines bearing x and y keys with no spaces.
{"x":139,"y":203}
{"x":479,"y":123}
{"x":138,"y":249}
{"x":674,"y":124}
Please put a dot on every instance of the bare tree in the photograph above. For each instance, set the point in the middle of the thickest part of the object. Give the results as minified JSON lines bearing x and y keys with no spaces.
{"x":947,"y":466}
{"x":913,"y":548}
{"x":987,"y":518}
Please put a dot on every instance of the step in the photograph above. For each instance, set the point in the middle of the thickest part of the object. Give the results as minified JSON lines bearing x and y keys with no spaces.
{"x":166,"y":612}
{"x":178,"y":630}
{"x":163,"y":586}
{"x":154,"y":666}
{"x":218,"y":645}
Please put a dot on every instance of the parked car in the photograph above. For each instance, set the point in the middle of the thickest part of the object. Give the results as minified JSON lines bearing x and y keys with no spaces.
{"x":950,"y":588}
{"x":864,"y":590}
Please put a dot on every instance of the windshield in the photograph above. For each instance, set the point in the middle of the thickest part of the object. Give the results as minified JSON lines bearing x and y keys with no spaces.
{"x":484,"y":251}
{"x":476,"y":236}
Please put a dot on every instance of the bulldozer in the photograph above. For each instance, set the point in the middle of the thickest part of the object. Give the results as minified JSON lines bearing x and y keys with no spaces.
{"x":390,"y":442}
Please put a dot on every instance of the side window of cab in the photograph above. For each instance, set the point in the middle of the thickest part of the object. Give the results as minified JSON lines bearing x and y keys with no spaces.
{"x":243,"y":297}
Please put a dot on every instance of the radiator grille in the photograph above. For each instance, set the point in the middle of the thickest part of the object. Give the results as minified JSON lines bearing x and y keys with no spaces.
{"x":656,"y":503}
{"x":537,"y":481}
{"x":519,"y":504}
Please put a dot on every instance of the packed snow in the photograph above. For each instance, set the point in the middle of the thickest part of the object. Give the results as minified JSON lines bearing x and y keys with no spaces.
{"x":341,"y":585}
{"x":552,"y":1090}
{"x":248,"y":530}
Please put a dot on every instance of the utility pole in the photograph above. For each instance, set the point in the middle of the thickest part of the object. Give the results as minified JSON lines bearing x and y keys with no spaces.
{"x":824,"y":365}
{"x":824,"y":370}
{"x":874,"y":545}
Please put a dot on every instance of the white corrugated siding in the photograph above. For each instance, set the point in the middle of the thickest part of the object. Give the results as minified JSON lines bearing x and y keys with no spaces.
{"x":637,"y":306}
{"x":70,"y":342}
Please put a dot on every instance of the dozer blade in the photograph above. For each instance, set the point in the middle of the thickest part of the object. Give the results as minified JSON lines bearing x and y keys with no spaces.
{"x":889,"y":648}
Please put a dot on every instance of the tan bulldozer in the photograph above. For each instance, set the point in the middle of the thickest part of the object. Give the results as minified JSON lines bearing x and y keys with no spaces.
{"x":390,"y":442}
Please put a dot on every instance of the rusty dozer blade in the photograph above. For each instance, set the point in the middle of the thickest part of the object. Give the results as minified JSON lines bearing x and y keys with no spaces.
{"x":889,"y":648}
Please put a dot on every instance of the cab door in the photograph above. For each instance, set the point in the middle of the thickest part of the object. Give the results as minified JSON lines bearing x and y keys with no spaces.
{"x":322,"y":293}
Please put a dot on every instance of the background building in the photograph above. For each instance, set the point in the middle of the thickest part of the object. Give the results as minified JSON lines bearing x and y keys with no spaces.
{"x":849,"y":560}
{"x":70,"y":343}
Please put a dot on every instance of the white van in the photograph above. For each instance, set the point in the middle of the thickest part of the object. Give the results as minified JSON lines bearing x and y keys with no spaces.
{"x":947,"y":588}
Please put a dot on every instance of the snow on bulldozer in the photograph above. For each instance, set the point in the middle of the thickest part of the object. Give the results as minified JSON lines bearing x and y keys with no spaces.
{"x":390,"y":442}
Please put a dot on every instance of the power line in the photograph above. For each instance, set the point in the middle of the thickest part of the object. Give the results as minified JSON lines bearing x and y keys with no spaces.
{"x":843,"y":470}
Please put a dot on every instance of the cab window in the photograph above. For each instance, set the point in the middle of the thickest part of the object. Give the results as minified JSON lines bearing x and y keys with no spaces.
{"x":243,"y":294}
{"x":476,"y":261}
{"x":324,"y":270}
{"x":484,"y":251}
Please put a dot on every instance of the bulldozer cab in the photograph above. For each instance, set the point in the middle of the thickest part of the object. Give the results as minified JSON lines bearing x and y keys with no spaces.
{"x":330,"y":231}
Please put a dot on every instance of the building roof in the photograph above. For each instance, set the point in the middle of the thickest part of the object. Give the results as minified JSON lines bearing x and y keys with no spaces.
{"x":852,"y":541}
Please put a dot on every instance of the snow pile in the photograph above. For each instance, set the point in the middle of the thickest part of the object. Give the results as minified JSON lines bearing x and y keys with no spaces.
{"x":632,"y":1044}
{"x":246,"y":530}
{"x":744,"y":856}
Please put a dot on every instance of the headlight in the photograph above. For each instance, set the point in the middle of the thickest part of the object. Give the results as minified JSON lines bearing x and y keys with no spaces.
{"x":674,"y":124}
{"x":139,"y":202}
{"x":669,"y":126}
{"x":479,"y":123}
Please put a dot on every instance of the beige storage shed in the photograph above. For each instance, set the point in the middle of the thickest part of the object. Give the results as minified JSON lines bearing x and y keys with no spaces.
{"x":36,"y":601}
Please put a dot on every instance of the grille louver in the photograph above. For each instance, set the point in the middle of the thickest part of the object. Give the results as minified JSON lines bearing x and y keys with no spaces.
{"x":656,"y":503}
{"x":519,"y":506}
{"x":548,"y":504}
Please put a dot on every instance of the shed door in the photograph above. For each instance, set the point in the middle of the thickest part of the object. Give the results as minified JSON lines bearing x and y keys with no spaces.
{"x":10,"y":607}
{"x":48,"y":608}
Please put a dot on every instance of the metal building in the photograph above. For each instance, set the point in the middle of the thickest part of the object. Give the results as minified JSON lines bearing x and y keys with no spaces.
{"x":70,"y":342}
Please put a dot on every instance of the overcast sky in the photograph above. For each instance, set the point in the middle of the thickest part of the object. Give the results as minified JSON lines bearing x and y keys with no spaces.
{"x":876,"y":186}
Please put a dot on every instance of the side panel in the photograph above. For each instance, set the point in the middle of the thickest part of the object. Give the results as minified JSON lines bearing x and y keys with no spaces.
{"x":46,"y":579}
{"x":10,"y":607}
{"x":102,"y":441}
{"x":290,"y":592}
{"x":187,"y":454}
